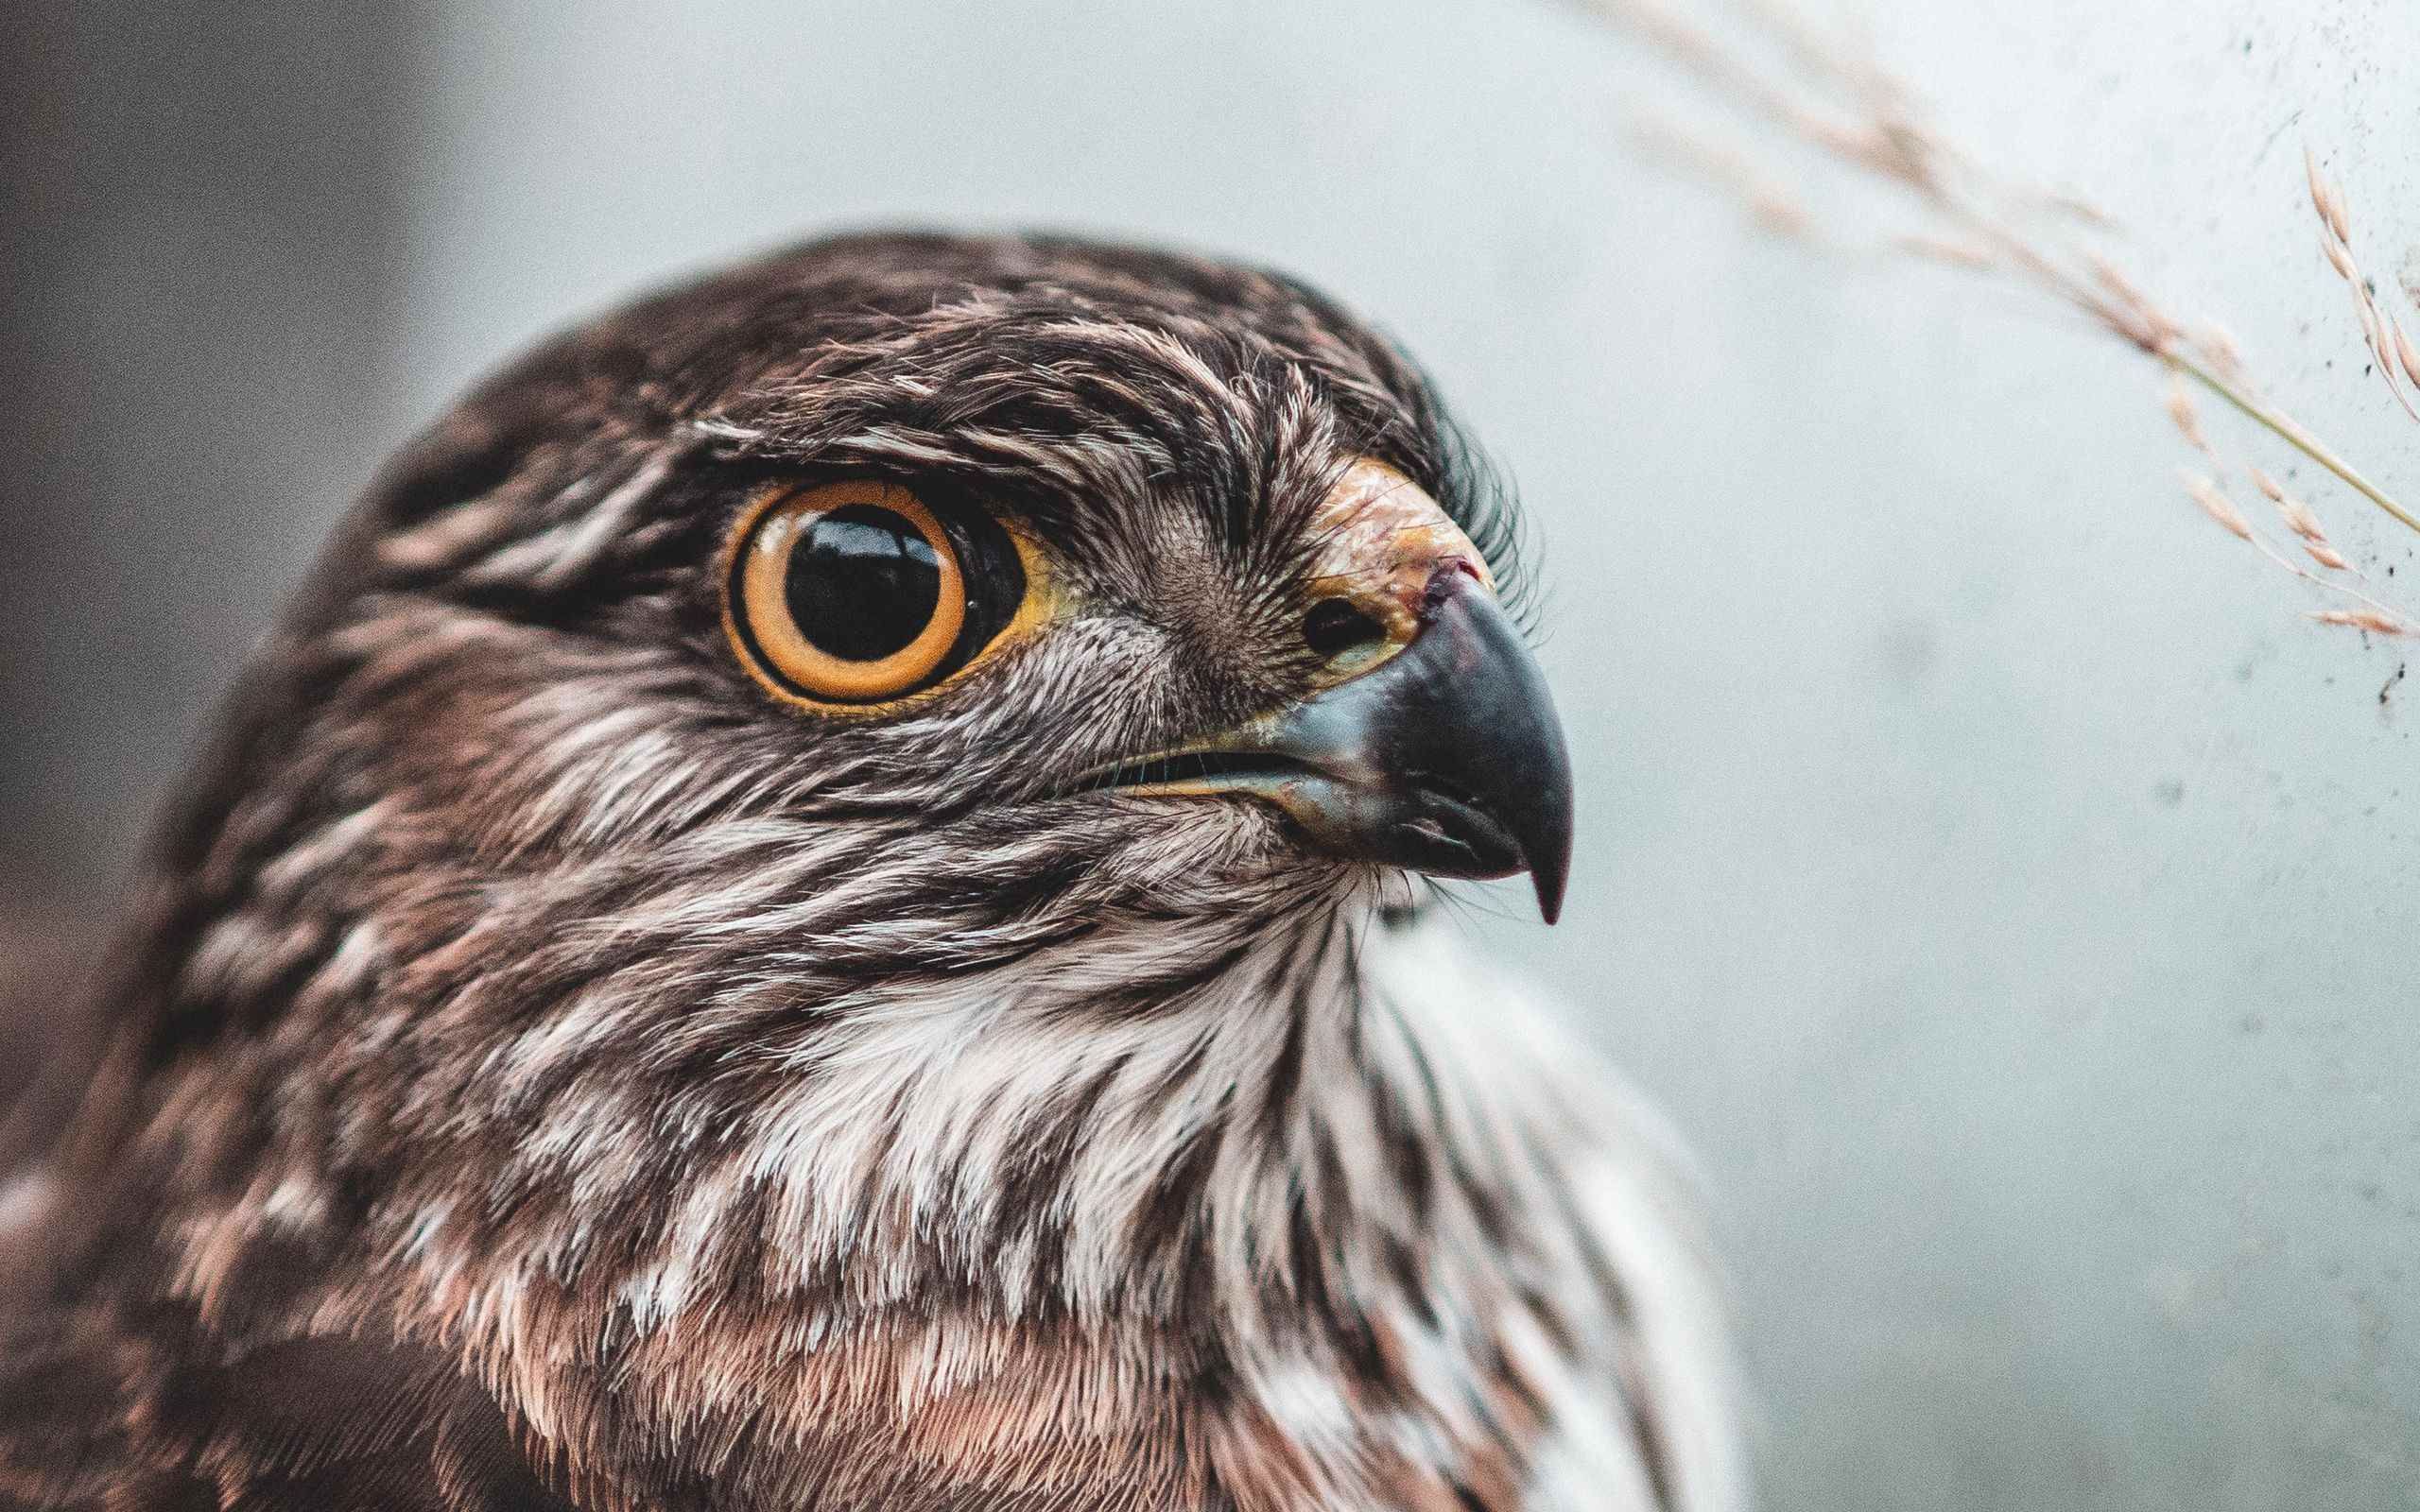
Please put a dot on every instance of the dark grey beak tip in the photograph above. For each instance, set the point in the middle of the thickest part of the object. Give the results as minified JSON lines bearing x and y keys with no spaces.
{"x":1549,"y":874}
{"x":1543,"y":825}
{"x":1447,"y":759}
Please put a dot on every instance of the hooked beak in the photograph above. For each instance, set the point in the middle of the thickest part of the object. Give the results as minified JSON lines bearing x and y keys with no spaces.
{"x":1446,"y":758}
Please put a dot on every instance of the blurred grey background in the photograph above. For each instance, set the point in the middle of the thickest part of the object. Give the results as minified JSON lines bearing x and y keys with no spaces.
{"x":2006,"y":889}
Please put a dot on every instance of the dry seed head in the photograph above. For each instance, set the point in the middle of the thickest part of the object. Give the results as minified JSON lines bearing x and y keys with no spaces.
{"x":2218,"y":344}
{"x":1956,"y":254}
{"x":1780,"y":215}
{"x":2323,"y":554}
{"x":2218,"y":506}
{"x":2340,"y":260}
{"x":1766,"y":202}
{"x":2326,"y":199}
{"x":2375,"y":333}
{"x":2294,"y":512}
{"x":2134,"y":316}
{"x":2180,"y":409}
{"x":2372,"y":334}
{"x":2301,"y":520}
{"x":2081,"y":208}
{"x":2361,"y":619}
{"x":2128,"y":311}
{"x":2373,"y":326}
{"x":2116,"y":282}
{"x":2405,"y":353}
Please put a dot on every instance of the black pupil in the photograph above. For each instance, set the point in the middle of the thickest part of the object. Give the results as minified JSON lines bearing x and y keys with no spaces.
{"x":862,"y":582}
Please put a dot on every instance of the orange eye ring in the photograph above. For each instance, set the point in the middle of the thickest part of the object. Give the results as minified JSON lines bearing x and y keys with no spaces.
{"x":768,"y":589}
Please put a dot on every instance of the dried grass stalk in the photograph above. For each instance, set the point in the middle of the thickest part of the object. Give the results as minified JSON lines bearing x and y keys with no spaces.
{"x":1860,"y":117}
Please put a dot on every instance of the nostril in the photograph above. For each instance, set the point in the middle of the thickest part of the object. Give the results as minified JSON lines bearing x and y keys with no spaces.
{"x":1335,"y":626}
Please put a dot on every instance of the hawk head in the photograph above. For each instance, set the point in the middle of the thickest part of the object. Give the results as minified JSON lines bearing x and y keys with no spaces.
{"x":982,"y":556}
{"x":850,"y":791}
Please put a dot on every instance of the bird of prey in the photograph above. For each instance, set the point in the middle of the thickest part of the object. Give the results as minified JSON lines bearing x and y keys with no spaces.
{"x":822,"y":903}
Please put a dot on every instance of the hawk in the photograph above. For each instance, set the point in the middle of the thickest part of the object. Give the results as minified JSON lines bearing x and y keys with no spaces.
{"x":822,"y":903}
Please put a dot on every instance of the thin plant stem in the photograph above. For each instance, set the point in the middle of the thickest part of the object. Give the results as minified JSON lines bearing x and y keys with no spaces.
{"x":2286,"y":430}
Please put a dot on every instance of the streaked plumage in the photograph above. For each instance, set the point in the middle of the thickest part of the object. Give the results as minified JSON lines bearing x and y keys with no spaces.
{"x":543,"y":1070}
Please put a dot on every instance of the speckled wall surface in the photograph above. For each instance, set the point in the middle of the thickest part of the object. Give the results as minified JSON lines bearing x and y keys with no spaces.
{"x":2004,"y":885}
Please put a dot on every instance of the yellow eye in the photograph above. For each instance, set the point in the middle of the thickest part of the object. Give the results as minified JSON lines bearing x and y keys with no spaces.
{"x":852,"y":594}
